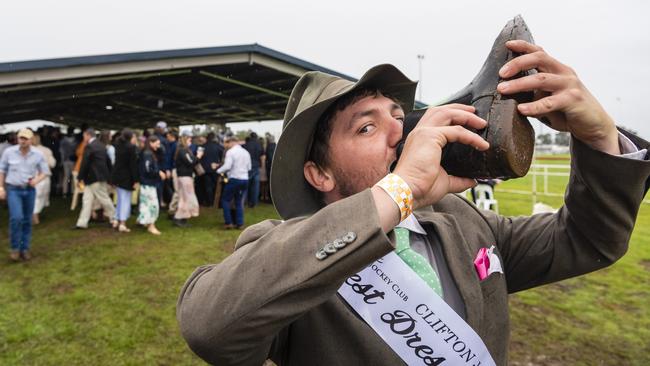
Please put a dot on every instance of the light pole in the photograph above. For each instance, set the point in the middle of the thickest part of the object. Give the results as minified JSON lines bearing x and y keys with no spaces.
{"x":420,"y":58}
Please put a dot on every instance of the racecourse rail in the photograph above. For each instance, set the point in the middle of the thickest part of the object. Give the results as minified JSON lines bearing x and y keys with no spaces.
{"x":545,"y":171}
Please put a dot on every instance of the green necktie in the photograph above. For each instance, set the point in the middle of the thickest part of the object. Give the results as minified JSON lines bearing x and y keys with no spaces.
{"x":418,"y":263}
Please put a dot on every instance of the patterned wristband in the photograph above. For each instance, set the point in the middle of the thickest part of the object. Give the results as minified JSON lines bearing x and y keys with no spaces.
{"x":400,"y":192}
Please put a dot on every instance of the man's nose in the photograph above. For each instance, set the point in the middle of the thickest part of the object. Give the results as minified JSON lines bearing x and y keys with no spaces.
{"x":394,"y":132}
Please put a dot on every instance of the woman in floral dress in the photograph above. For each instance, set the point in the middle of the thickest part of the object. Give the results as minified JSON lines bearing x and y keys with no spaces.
{"x":150,"y":176}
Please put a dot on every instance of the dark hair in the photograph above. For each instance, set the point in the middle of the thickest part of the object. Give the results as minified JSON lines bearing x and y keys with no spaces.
{"x":126,"y":136}
{"x":105,"y":137}
{"x":320,"y":143}
{"x":90,"y":131}
{"x":147,"y":145}
{"x":12,"y":138}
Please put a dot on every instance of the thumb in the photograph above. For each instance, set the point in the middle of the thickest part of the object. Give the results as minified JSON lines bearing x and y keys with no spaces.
{"x":458,"y":184}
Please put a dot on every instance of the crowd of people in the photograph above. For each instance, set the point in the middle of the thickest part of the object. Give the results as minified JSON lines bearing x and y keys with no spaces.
{"x":154,"y":170}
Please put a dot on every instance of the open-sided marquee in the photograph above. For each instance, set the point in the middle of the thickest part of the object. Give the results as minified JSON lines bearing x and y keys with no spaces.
{"x":189,"y":86}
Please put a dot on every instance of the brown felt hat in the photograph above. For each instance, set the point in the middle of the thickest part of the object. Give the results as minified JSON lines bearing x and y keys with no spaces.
{"x":316,"y":91}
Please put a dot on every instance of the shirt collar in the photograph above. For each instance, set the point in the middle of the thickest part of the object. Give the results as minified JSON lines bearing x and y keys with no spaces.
{"x":411,"y":223}
{"x":30,"y":150}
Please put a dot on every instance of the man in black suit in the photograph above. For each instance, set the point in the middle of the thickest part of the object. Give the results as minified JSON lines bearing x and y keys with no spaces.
{"x":212,"y":159}
{"x":93,"y":177}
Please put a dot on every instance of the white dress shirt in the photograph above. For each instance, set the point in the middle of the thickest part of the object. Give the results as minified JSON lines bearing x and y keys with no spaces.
{"x":237,"y":163}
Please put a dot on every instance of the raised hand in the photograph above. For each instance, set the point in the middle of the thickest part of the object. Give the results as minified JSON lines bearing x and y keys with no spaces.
{"x":419,"y":164}
{"x":560,"y":97}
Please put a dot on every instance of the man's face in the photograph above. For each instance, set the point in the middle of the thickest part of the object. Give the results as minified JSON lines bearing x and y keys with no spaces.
{"x":24,"y":142}
{"x":363,"y":143}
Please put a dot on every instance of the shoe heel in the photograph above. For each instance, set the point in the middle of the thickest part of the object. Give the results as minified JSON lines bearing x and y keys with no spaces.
{"x":511,"y":138}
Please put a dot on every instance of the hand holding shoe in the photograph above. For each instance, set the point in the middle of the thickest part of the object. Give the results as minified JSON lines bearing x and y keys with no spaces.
{"x":419,"y":164}
{"x":560,"y":97}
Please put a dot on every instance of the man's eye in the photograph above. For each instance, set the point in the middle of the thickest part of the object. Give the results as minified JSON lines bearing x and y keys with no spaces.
{"x":366,"y":129}
{"x":400,"y":118}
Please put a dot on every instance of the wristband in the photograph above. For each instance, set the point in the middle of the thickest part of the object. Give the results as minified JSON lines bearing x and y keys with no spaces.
{"x":400,"y":192}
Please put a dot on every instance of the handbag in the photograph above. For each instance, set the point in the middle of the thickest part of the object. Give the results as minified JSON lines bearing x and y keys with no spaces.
{"x":198,"y":169}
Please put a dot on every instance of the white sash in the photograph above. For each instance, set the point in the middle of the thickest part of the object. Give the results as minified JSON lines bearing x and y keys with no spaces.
{"x":411,"y":318}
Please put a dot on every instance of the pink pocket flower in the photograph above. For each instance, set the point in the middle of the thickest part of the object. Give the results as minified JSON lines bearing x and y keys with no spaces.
{"x":482,"y":263}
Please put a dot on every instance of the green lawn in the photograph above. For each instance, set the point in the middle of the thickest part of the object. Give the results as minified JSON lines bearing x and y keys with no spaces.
{"x":98,"y":297}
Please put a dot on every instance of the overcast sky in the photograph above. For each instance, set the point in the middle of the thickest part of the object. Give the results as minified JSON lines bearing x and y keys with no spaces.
{"x":607,"y":43}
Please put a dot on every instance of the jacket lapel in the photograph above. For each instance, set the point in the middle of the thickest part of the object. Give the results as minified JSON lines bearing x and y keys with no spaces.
{"x":459,"y":260}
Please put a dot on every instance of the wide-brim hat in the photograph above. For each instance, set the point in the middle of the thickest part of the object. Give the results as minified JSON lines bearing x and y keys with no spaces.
{"x":312,"y":95}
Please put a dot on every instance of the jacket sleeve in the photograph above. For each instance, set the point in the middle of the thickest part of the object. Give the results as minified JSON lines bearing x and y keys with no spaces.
{"x":227,"y":165}
{"x":589,"y":232}
{"x":230,"y":313}
{"x":85,"y":163}
{"x":109,"y":163}
{"x":133,"y":164}
{"x":148,"y":169}
{"x":190,"y":159}
{"x":185,"y":158}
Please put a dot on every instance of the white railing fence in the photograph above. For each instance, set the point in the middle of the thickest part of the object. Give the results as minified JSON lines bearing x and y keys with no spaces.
{"x":545,"y":171}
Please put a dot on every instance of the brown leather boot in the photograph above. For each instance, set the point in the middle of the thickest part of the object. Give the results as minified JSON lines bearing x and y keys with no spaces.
{"x":511,"y":137}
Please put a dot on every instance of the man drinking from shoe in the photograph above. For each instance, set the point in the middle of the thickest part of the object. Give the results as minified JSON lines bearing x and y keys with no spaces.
{"x":21,"y":169}
{"x":373,"y":267}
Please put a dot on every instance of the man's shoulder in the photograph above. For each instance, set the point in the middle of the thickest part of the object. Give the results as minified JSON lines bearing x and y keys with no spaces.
{"x":239,"y":149}
{"x":96,"y":145}
{"x":12,"y":149}
{"x":256,"y":231}
{"x":452,"y":201}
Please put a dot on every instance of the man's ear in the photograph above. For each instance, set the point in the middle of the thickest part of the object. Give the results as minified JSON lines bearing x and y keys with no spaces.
{"x":319,"y":178}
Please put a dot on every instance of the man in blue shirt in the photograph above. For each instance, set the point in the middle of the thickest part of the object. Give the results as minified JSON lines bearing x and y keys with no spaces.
{"x":21,"y":168}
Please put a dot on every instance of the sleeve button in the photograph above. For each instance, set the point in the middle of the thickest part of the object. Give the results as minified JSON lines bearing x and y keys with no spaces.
{"x":329,"y":248}
{"x":339,"y":243}
{"x":349,"y":237}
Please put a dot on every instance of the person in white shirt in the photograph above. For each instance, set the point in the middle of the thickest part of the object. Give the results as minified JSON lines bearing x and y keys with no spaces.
{"x":43,"y":187}
{"x":236,"y":165}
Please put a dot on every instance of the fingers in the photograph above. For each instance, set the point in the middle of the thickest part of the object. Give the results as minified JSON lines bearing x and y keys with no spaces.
{"x":464,"y":107}
{"x":534,"y":57}
{"x":521,"y":46}
{"x":545,"y":105}
{"x":452,"y":115}
{"x":540,"y":81}
{"x":537,"y":60}
{"x":447,"y":134}
{"x":458,"y":184}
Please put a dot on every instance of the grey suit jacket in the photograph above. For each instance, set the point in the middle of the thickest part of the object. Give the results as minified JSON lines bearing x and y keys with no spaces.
{"x":272,"y":298}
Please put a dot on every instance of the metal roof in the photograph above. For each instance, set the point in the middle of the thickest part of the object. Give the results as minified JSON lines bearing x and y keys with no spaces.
{"x":187,"y":86}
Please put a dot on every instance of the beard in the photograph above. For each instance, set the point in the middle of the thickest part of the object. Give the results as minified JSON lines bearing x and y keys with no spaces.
{"x":349,"y":183}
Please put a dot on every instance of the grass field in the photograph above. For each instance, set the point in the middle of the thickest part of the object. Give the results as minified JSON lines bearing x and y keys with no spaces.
{"x":97,"y":297}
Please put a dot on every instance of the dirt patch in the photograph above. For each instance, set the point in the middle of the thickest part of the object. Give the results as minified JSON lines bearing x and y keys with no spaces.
{"x":63,"y":288}
{"x":568,"y":285}
{"x":645,"y":263}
